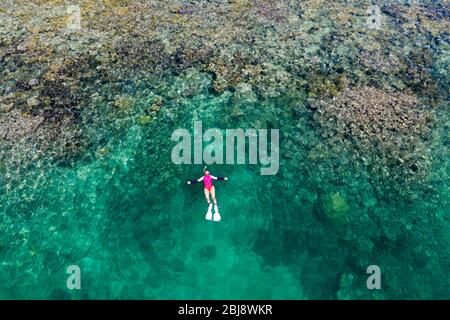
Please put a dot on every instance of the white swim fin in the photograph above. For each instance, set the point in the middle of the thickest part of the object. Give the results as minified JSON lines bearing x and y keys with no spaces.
{"x":209,"y":213}
{"x":216,"y":214}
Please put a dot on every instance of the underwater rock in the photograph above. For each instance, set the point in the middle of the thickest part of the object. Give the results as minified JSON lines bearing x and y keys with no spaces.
{"x":244,"y":93}
{"x":6,"y":107}
{"x":33,"y":102}
{"x":33,"y":82}
{"x":144,"y":119}
{"x":335,"y":206}
{"x":123,"y":102}
{"x":191,"y":82}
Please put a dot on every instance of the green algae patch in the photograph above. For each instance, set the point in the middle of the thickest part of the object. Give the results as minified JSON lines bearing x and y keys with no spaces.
{"x":123,"y":103}
{"x":335,"y":207}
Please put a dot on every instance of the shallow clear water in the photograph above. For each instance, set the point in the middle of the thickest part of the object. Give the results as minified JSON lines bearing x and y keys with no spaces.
{"x":127,"y":218}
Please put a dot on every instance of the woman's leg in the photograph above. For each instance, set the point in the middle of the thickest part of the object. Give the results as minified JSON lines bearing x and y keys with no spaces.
{"x":213,"y":195}
{"x":207,"y":195}
{"x":209,"y":213}
{"x":216,"y":210}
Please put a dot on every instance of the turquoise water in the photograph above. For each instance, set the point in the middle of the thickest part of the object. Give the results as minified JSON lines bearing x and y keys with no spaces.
{"x":125,"y":215}
{"x":350,"y":192}
{"x":135,"y":228}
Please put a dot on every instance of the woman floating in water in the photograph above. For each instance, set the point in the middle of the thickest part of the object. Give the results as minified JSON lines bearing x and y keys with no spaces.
{"x":209,"y":190}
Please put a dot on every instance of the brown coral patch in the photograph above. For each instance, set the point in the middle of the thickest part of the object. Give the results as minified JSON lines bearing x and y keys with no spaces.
{"x":387,"y":132}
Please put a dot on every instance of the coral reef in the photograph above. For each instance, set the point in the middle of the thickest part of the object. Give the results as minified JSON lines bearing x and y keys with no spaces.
{"x":388,"y":131}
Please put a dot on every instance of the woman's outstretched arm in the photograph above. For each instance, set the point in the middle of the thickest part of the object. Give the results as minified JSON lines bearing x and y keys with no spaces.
{"x":195,"y":181}
{"x":219,"y":178}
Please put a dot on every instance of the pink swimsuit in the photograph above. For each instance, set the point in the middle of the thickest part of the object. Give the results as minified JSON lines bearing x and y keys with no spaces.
{"x":207,"y":182}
